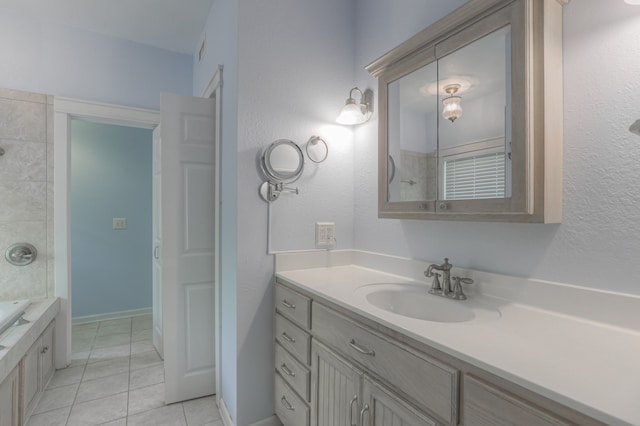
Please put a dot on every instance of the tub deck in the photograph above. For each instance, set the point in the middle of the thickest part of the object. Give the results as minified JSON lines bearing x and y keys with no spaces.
{"x":10,"y":311}
{"x":17,"y":340}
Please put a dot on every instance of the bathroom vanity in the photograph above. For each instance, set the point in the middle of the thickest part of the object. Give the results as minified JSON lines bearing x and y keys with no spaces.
{"x":26,"y":362}
{"x":342,"y":358}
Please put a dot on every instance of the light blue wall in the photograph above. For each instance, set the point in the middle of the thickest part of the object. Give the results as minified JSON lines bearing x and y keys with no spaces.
{"x":110,"y":177}
{"x":44,"y":57}
{"x":288,"y":68}
{"x":221,"y":31}
{"x":295,"y":72}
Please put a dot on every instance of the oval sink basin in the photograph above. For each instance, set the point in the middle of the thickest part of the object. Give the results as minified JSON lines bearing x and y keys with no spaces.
{"x":414,"y":301}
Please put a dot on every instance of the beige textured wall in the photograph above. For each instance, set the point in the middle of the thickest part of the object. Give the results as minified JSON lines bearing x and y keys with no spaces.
{"x":26,"y":191}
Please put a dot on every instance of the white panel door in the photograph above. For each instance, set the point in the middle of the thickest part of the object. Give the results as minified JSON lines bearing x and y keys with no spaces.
{"x":188,"y":207}
{"x":157,"y":244}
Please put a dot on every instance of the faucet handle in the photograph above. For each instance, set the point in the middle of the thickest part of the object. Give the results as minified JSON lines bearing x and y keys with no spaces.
{"x":436,"y":287}
{"x":457,"y":292}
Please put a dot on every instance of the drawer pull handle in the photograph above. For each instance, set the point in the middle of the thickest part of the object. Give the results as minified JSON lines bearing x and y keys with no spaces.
{"x":288,"y":305}
{"x":287,"y":371}
{"x":286,"y":404}
{"x":362,"y":350}
{"x":288,"y":338}
{"x":354,"y":399}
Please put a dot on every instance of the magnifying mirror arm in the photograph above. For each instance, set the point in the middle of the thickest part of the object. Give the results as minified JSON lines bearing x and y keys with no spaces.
{"x":281,"y":188}
{"x":271,"y":191}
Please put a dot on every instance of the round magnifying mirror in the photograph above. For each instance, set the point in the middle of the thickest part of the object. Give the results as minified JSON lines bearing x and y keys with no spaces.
{"x":282,"y":161}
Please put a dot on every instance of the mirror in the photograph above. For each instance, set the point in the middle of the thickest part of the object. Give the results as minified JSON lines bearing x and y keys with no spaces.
{"x":413,"y":135}
{"x":462,"y":155}
{"x":282,"y":162}
{"x":470,"y":116}
{"x":474,"y":148}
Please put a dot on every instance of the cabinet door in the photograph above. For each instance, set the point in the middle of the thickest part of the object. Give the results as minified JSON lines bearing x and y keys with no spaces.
{"x":9,"y":415}
{"x":30,"y":376}
{"x":384,"y":408}
{"x":336,"y":389}
{"x":46,"y":355}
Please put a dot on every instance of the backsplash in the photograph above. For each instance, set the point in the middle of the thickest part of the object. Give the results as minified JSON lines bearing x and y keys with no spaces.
{"x":26,"y":191}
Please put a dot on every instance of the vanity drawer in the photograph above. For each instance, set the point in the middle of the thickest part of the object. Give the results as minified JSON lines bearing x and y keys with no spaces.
{"x":289,"y":408}
{"x":294,"y":306}
{"x":293,"y":372}
{"x":486,"y":405}
{"x":293,"y":338}
{"x":430,"y":383}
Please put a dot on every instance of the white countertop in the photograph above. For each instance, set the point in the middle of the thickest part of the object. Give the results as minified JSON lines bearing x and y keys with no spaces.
{"x":589,"y":365}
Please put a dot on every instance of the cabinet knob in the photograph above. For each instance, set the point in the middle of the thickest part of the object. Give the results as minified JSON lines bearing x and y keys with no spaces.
{"x":443,"y":206}
{"x":44,"y":350}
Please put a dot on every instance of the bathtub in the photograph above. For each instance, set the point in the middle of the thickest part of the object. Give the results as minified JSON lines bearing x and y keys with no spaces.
{"x":10,"y":311}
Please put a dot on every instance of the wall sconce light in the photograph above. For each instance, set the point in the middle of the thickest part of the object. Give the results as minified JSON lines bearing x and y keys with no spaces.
{"x":452,"y":109}
{"x":634,"y":2}
{"x":357,"y":113}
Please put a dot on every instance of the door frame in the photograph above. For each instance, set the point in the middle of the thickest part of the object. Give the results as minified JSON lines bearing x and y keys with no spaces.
{"x":66,"y":109}
{"x":214,"y":91}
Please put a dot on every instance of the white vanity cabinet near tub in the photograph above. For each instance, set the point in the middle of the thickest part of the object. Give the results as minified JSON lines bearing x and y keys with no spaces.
{"x":9,"y":399}
{"x":37,"y":369}
{"x":363,"y":373}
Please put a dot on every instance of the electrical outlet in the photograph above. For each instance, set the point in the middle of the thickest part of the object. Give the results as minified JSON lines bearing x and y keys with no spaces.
{"x":325,"y":234}
{"x":119,"y":223}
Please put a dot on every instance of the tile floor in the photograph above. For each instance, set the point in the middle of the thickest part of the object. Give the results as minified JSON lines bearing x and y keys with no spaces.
{"x":116,"y":378}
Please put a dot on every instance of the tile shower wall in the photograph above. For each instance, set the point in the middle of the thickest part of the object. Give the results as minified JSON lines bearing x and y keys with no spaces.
{"x":418,"y":176}
{"x":26,"y":191}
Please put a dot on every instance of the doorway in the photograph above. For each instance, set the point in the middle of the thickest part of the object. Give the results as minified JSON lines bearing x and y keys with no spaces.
{"x":110,"y":208}
{"x":66,"y":110}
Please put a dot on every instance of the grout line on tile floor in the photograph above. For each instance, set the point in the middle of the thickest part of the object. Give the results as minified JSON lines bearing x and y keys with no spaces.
{"x":85,"y":364}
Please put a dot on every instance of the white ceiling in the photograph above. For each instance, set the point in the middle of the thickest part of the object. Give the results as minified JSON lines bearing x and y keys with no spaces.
{"x":174,"y":25}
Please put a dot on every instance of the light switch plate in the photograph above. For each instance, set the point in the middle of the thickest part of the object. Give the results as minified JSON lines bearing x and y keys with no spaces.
{"x":119,"y":223}
{"x":325,"y":234}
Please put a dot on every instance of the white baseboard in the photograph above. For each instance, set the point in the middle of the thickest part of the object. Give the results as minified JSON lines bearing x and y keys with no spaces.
{"x":224,"y":413}
{"x":226,"y":418}
{"x":110,"y":316}
{"x":269,"y":421}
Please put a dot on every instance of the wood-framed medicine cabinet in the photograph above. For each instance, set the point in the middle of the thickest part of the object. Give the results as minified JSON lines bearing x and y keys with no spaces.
{"x":471,"y":116}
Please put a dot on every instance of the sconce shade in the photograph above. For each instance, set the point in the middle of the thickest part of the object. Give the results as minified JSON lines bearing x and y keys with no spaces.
{"x":355,"y":113}
{"x":452,"y":109}
{"x":351,"y":114}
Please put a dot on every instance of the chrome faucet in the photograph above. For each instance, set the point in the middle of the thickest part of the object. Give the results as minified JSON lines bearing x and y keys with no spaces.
{"x":445,"y":289}
{"x":436,"y":288}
